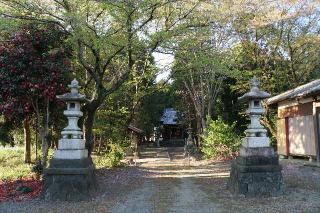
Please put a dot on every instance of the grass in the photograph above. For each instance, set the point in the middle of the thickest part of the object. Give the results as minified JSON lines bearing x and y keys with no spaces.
{"x":12,"y":164}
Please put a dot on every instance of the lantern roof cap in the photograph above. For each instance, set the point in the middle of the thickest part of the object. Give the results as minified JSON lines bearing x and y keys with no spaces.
{"x":71,"y":97}
{"x":74,"y":84}
{"x":74,"y":95}
{"x":255,"y":92}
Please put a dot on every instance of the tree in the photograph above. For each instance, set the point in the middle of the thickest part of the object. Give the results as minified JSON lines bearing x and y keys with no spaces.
{"x":106,"y":36}
{"x":152,"y":108}
{"x":200,"y":71}
{"x":276,"y":41}
{"x":279,"y":45}
{"x":33,"y":69}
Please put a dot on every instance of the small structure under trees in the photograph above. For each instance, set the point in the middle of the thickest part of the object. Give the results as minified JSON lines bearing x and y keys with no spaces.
{"x":136,"y":139}
{"x":171,"y":129}
{"x":298,"y":120}
{"x":136,"y":134}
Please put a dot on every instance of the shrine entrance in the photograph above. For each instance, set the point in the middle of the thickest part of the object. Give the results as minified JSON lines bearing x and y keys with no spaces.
{"x":171,"y":131}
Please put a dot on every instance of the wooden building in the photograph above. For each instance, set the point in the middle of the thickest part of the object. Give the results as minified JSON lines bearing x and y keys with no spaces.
{"x":298,"y":120}
{"x":172,"y":132}
{"x":136,"y":134}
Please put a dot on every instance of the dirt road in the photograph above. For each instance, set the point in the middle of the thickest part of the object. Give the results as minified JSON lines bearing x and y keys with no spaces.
{"x":163,"y":181}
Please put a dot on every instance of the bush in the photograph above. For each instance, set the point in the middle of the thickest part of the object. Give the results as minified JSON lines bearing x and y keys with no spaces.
{"x":220,"y":140}
{"x":111,"y":158}
{"x":38,"y":168}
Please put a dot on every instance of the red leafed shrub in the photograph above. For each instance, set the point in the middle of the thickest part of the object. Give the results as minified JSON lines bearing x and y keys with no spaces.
{"x":34,"y":65}
{"x":16,"y":190}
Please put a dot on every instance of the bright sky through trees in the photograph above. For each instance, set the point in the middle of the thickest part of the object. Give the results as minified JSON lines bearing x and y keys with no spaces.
{"x":164,"y":63}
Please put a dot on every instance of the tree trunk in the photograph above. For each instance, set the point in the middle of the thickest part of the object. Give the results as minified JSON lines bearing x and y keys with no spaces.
{"x":199,"y":130}
{"x":100,"y":144}
{"x":94,"y":141}
{"x":44,"y":137}
{"x":203,"y":124}
{"x":44,"y":146}
{"x":27,"y":141}
{"x":88,"y":126}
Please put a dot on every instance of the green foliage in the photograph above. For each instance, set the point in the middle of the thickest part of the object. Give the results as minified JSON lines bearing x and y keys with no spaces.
{"x":220,"y":140}
{"x":110,"y":121}
{"x":152,"y":108}
{"x":111,"y":158}
{"x":269,"y":120}
{"x":283,"y":55}
{"x":18,"y":136}
{"x":218,"y":46}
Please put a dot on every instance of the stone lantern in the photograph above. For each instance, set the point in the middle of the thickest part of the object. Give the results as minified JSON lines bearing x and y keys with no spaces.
{"x":156,"y":136}
{"x":70,"y":175}
{"x":256,"y":134}
{"x":190,"y":147}
{"x":72,"y":144}
{"x":189,"y":139}
{"x":256,"y":171}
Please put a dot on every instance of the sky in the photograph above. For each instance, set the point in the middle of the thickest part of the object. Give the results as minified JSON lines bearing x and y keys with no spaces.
{"x":164,"y":63}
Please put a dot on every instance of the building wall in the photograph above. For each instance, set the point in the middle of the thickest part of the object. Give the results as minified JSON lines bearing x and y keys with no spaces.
{"x":281,"y":136}
{"x":301,"y":135}
{"x":289,"y":103}
{"x":303,"y":109}
{"x":300,"y":127}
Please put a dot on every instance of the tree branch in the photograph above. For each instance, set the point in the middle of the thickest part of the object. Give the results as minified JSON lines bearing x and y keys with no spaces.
{"x":28,"y":18}
{"x":84,"y":63}
{"x":108,"y":61}
{"x":119,"y":82}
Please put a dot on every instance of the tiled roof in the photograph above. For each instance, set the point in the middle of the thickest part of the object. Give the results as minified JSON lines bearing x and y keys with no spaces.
{"x":135,"y":129}
{"x":169,"y":116}
{"x":306,"y":90}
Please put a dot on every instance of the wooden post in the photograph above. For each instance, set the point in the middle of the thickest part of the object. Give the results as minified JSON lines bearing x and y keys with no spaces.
{"x":287,"y":136}
{"x":316,"y":129}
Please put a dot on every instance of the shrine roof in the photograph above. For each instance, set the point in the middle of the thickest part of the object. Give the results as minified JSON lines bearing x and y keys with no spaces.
{"x":135,"y":129}
{"x":169,"y":117}
{"x":306,"y":90}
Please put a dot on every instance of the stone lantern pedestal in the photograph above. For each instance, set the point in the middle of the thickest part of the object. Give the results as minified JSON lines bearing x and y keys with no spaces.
{"x":70,"y":175}
{"x":190,"y":147}
{"x":256,"y":171}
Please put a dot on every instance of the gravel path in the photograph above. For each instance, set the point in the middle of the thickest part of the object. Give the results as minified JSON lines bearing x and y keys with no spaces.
{"x":164,"y":182}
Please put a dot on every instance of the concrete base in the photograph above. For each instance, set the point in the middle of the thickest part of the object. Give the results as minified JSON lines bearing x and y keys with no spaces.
{"x":71,"y":144}
{"x":69,"y":180}
{"x":258,"y":151}
{"x":190,"y":150}
{"x":71,"y":154}
{"x":255,"y":176}
{"x":252,"y":142}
